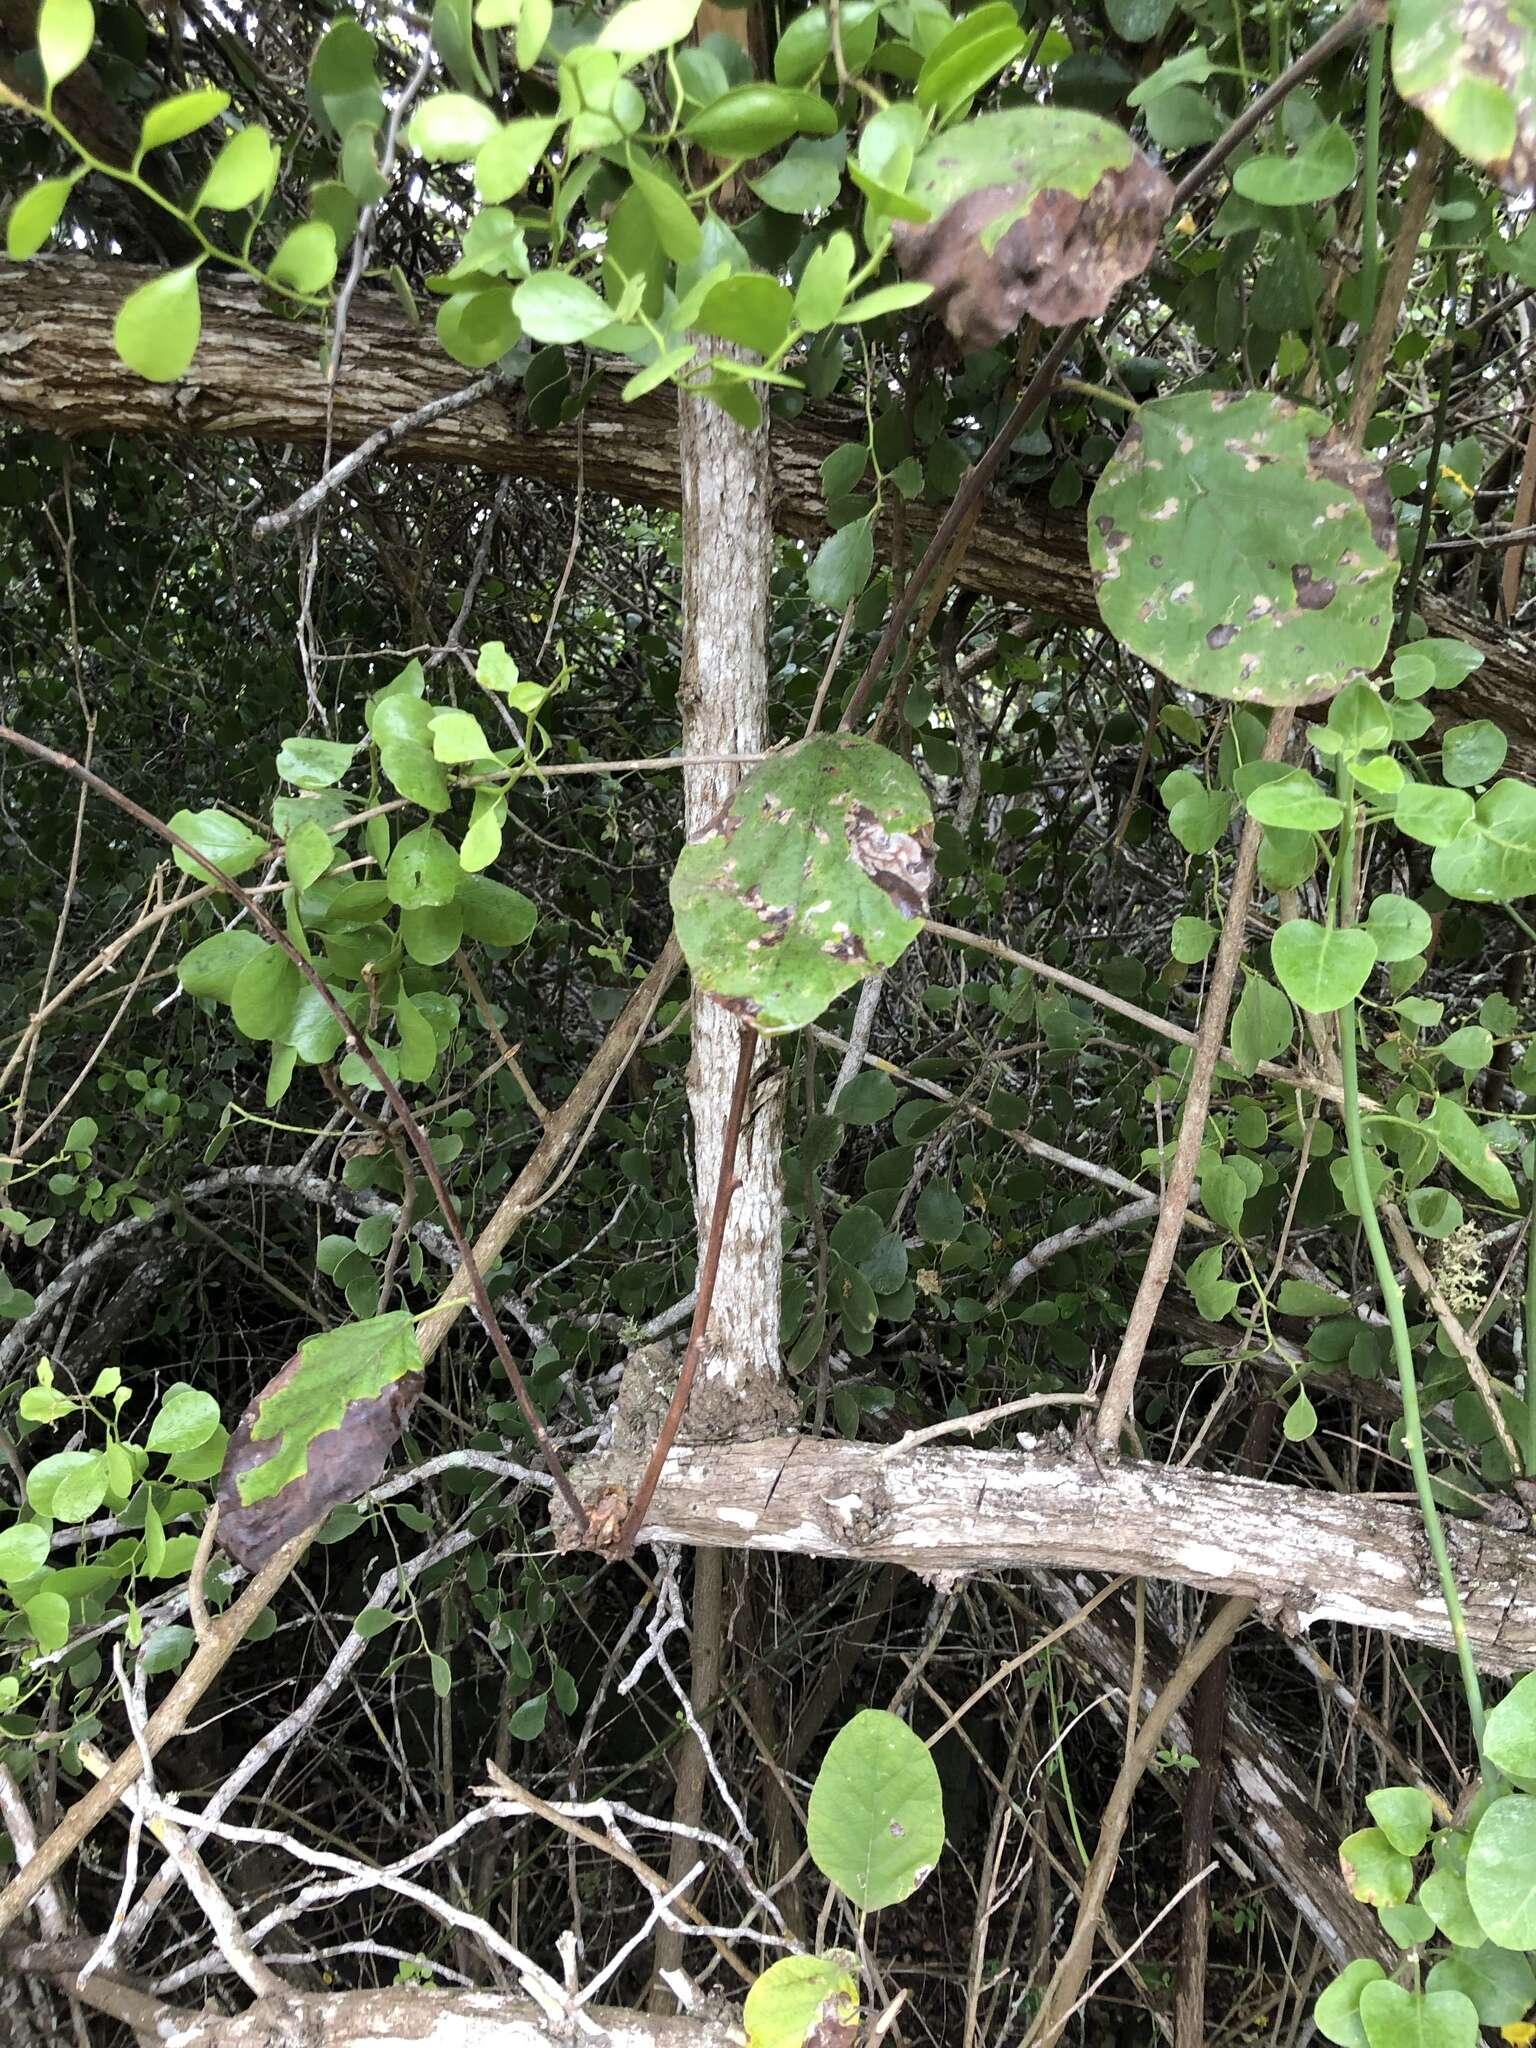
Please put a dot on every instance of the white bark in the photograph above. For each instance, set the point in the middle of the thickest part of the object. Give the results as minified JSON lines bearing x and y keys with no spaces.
{"x":442,"y":2019}
{"x":727,"y":560}
{"x":1305,"y":1557}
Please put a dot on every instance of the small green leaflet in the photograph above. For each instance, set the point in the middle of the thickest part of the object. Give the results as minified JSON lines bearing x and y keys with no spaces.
{"x":815,"y":874}
{"x":1240,"y":546}
{"x":875,"y":1823}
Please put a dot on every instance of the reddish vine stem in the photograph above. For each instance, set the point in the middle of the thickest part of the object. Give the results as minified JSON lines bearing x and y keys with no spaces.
{"x":725,"y":1191}
{"x":359,"y":1044}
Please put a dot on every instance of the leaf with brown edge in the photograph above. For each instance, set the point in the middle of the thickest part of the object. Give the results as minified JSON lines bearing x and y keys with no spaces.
{"x":1470,"y":66}
{"x":318,"y":1434}
{"x":1037,"y":211}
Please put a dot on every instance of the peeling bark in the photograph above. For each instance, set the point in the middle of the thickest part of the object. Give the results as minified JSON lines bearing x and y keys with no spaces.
{"x":1304,"y":1557}
{"x":438,"y":2019}
{"x":727,"y":560}
{"x":257,"y":376}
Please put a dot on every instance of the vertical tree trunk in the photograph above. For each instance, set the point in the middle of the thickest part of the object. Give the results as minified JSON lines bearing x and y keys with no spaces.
{"x":727,"y":559}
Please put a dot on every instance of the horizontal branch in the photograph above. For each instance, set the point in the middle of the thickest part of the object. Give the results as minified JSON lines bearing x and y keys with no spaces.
{"x":1304,"y":1557}
{"x":257,"y":376}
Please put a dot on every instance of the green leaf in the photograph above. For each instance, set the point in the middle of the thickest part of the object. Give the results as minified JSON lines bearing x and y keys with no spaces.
{"x":1300,"y":1419}
{"x":1191,"y":939}
{"x":1139,"y":21}
{"x":1433,"y":1212}
{"x":65,"y":30}
{"x":1375,"y":1872}
{"x":529,"y":1719}
{"x":750,"y":309}
{"x":875,"y":1823}
{"x":1263,"y":1024}
{"x":1295,"y":801}
{"x":418,"y":1042}
{"x":1472,"y":753}
{"x":356,"y":1362}
{"x":1404,"y":1815}
{"x":1475,"y":85}
{"x":233,"y":847}
{"x":1470,"y":1048}
{"x":263,"y":993}
{"x":451,"y":127}
{"x":1510,"y":1737}
{"x":1323,"y":166}
{"x":1469,"y":1152}
{"x":423,"y":870}
{"x":642,"y":26}
{"x":505,"y":161}
{"x":308,"y":852}
{"x":1243,"y":548}
{"x":824,"y":281}
{"x":1492,"y":857}
{"x":1394,"y":2017}
{"x":815,"y":874}
{"x":843,"y":564}
{"x":1321,"y":967}
{"x":34,"y":216}
{"x":306,"y":258}
{"x":806,"y":179}
{"x":749,"y":120}
{"x":890,"y":298}
{"x":980,"y":44}
{"x":493,"y":913}
{"x":240,"y":174}
{"x":23,"y":1551}
{"x":1214,"y":1296}
{"x":458,"y":736}
{"x":214,"y":965}
{"x":1337,"y":2012}
{"x":868,"y":1098}
{"x":314,"y":764}
{"x":1499,"y":1983}
{"x":1302,"y":1298}
{"x":556,"y":307}
{"x":940,"y":1213}
{"x":157,"y":326}
{"x":1428,"y":813}
{"x":48,"y":1618}
{"x":181,"y":115}
{"x":800,"y":1999}
{"x":1400,"y":927}
{"x":1443,"y":1895}
{"x":187,"y":1417}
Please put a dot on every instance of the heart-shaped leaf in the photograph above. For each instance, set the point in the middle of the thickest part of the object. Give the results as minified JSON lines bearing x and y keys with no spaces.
{"x":1321,"y":967}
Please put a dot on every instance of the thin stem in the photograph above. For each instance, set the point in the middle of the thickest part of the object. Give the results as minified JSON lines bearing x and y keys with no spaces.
{"x":1370,"y":239}
{"x":1528,"y":1386}
{"x":1392,"y":1294}
{"x":725,"y":1190}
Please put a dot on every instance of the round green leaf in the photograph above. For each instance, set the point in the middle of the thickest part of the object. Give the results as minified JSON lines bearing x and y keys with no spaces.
{"x":1492,"y":857}
{"x":182,"y":114}
{"x":1472,"y":69}
{"x":306,"y":258}
{"x":1472,"y":753}
{"x":803,"y":1999}
{"x":240,"y":174}
{"x":493,"y":913}
{"x":1243,"y":548}
{"x":48,"y":1618}
{"x":1499,"y":1983}
{"x":1395,"y":2017}
{"x":1399,"y":926}
{"x":23,"y":1551}
{"x":157,"y":327}
{"x":423,"y":870}
{"x":263,"y":992}
{"x":1434,"y":1212}
{"x":1510,"y":1737}
{"x":749,"y":120}
{"x":230,"y":845}
{"x":642,"y":26}
{"x":1338,"y":2009}
{"x":1501,"y":1872}
{"x":1375,"y":1872}
{"x":1443,"y":1895}
{"x":505,"y":163}
{"x":1321,"y":967}
{"x":34,"y":217}
{"x":556,"y":307}
{"x":451,"y":127}
{"x":1324,"y":165}
{"x":815,"y":874}
{"x":211,"y":967}
{"x":477,"y":328}
{"x":875,"y":1824}
{"x":1404,"y":1815}
{"x":843,"y":564}
{"x":1296,"y":802}
{"x":187,"y":1417}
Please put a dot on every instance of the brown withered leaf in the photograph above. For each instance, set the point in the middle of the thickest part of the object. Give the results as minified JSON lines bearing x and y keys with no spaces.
{"x":318,"y":1434}
{"x":1037,"y":211}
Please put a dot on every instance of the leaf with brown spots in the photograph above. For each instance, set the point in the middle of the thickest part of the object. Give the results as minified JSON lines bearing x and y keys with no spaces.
{"x":1243,"y":548}
{"x":1471,"y":66}
{"x":814,"y":875}
{"x":317,"y":1434}
{"x":1036,"y":211}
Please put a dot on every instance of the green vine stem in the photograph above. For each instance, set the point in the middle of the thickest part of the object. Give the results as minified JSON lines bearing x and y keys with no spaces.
{"x":1528,"y":1385}
{"x":1370,"y":238}
{"x":1391,"y":1292}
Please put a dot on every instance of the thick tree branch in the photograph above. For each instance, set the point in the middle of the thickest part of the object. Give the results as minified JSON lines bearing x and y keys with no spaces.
{"x":1304,"y":1557}
{"x":258,"y":376}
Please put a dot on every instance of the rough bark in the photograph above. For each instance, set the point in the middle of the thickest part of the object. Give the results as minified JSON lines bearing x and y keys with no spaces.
{"x":1304,"y":1557}
{"x":727,"y":559}
{"x":257,"y":376}
{"x":1262,"y":1798}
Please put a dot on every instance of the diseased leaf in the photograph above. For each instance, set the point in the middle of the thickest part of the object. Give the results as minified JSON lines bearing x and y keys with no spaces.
{"x":814,"y":874}
{"x":804,"y":2002}
{"x":1471,"y":66}
{"x":1242,"y":547}
{"x":318,"y":1433}
{"x":1038,"y":211}
{"x":875,"y":1822}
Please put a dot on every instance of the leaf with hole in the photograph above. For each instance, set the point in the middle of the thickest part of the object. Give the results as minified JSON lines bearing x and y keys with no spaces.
{"x":1470,"y":65}
{"x":815,"y":874}
{"x":1242,"y":547}
{"x":875,"y":1824}
{"x":804,"y":2002}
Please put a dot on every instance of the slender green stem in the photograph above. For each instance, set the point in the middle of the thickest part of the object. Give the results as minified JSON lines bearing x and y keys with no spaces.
{"x":1392,"y":1294}
{"x":1528,"y":1425}
{"x":1370,"y":238}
